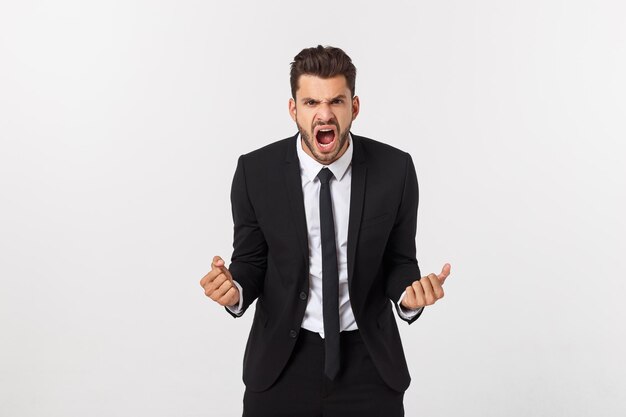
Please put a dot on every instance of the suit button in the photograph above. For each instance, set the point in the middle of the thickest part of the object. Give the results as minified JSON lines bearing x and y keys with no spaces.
{"x":293,"y":334}
{"x":303,"y":295}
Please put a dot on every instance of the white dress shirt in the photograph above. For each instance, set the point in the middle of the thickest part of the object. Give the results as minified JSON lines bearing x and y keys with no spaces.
{"x":340,"y":186}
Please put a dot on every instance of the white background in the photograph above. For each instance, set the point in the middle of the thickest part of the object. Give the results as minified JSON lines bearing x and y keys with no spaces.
{"x":120,"y":126}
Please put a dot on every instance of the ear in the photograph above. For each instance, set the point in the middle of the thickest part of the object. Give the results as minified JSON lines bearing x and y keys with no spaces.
{"x":292,"y":109}
{"x":356,"y":106}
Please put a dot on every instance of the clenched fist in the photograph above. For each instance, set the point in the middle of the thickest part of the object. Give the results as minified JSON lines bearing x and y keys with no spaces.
{"x":425,"y":291}
{"x":218,"y":284}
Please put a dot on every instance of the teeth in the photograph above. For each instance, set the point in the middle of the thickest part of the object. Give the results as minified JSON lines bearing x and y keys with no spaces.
{"x":327,"y":145}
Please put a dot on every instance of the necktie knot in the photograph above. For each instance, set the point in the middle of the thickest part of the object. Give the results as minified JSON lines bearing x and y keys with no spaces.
{"x":325,"y":175}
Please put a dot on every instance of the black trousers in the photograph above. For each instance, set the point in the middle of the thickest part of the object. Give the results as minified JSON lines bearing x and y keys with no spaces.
{"x":302,"y":390}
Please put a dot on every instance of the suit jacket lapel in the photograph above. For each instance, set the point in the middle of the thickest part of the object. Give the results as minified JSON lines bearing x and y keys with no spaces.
{"x":293,"y":184}
{"x":357,"y":195}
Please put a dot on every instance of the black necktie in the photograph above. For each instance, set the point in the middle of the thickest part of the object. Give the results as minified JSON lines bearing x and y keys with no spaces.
{"x":330,"y":277}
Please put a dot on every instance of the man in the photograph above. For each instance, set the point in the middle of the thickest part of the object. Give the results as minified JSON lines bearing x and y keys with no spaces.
{"x":324,"y":238}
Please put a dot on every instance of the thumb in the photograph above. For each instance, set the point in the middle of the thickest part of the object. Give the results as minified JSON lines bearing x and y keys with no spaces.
{"x":217,"y":262}
{"x":445,"y":271}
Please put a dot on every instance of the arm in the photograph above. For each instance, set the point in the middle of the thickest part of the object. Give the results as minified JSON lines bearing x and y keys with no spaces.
{"x":403,"y":276}
{"x":249,"y":258}
{"x":400,"y":262}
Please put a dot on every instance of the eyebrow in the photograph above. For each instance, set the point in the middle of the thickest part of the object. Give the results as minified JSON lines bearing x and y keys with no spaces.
{"x":342,"y":96}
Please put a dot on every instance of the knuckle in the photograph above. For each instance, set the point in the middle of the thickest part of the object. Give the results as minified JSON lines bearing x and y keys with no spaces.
{"x":226,"y":299}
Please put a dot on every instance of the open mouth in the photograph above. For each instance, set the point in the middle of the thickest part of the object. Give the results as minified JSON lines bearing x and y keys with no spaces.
{"x":325,"y":136}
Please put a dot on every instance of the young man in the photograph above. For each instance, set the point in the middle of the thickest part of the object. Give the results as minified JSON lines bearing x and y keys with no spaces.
{"x":324,"y":238}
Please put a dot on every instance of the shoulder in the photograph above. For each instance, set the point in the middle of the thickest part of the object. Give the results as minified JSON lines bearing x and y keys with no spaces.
{"x":271,"y":153}
{"x":377,"y":152}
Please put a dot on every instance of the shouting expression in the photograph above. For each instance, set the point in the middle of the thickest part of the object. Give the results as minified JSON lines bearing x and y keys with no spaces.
{"x":323,"y":110}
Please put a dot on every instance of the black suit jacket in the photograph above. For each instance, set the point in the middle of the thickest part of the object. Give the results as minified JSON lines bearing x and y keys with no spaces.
{"x":271,"y":255}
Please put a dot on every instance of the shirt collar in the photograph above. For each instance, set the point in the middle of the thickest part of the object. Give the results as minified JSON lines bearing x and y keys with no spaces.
{"x":309,"y":167}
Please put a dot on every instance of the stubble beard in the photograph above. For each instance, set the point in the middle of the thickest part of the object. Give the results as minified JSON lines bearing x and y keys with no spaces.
{"x":324,"y":159}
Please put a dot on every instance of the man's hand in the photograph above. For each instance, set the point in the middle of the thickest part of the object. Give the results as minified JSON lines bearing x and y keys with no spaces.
{"x":425,"y":291}
{"x":218,"y":284}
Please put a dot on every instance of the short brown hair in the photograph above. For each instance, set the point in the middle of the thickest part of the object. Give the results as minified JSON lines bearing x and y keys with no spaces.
{"x":324,"y":62}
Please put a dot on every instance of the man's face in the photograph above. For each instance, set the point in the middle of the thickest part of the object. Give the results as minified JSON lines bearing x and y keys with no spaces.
{"x":323,"y":112}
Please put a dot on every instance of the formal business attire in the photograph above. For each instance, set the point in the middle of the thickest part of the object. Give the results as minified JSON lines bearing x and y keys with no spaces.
{"x":277,"y":260}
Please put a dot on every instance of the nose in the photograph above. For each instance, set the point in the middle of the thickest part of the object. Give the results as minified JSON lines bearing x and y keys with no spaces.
{"x":324,"y":112}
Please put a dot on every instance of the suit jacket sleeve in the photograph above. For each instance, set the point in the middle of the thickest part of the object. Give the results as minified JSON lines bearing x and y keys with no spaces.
{"x":249,"y":258}
{"x":400,"y":260}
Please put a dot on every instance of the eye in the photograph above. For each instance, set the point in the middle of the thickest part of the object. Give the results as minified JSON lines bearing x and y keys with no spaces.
{"x":337,"y":101}
{"x":310,"y":103}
